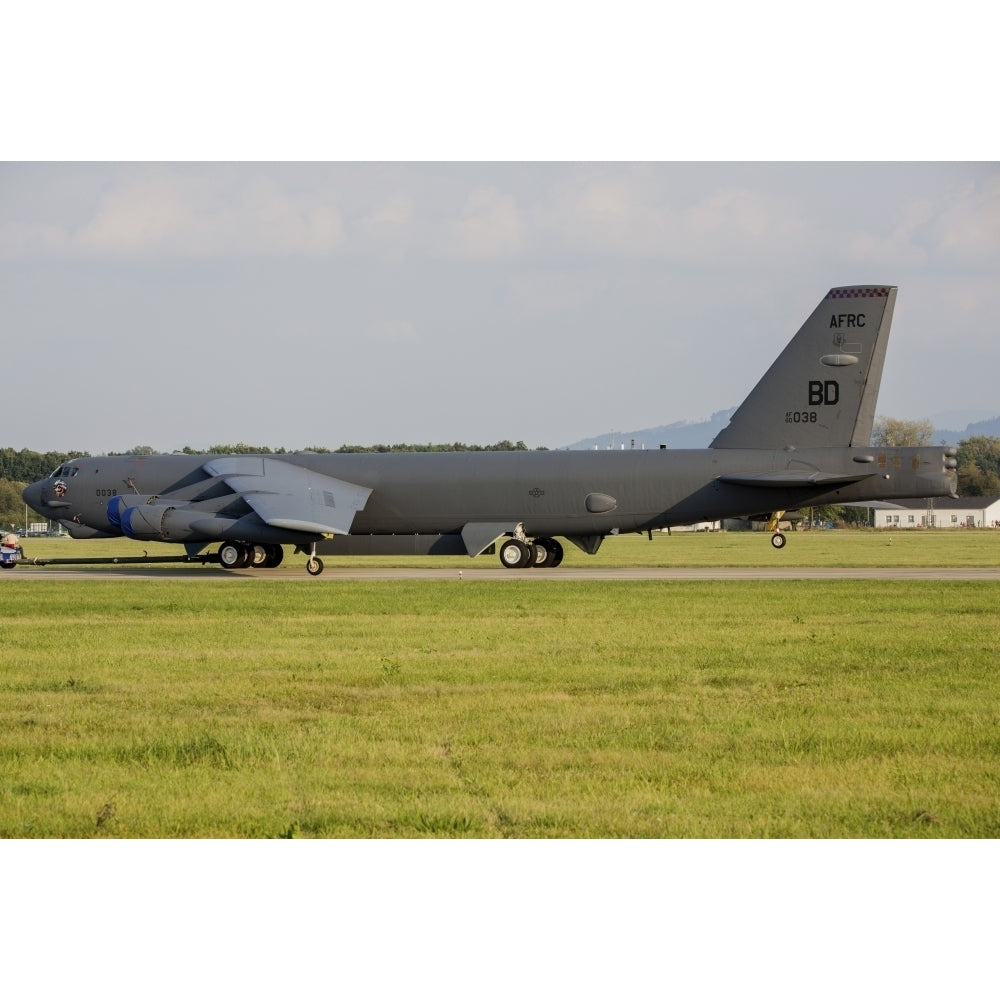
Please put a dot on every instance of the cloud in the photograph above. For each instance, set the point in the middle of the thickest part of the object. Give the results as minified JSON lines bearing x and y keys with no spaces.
{"x":689,"y":214}
{"x":182,"y":213}
{"x":490,"y":225}
{"x":969,"y":226}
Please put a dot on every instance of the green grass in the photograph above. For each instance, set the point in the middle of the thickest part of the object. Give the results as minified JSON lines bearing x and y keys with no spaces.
{"x":944,"y":547}
{"x":297,"y":707}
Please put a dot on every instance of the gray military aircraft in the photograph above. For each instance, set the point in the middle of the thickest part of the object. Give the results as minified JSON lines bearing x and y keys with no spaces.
{"x":801,"y":438}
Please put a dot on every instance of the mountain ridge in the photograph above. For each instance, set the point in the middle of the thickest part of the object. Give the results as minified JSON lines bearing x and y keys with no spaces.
{"x":699,"y":434}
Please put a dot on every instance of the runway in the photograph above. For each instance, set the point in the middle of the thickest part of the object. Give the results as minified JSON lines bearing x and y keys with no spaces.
{"x":475,"y":574}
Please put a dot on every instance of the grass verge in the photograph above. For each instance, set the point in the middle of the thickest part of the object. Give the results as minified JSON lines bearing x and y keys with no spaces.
{"x":156,"y":708}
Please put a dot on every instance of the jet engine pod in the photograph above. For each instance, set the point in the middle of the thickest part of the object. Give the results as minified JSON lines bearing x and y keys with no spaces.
{"x":119,"y":504}
{"x":600,"y":503}
{"x":144,"y":522}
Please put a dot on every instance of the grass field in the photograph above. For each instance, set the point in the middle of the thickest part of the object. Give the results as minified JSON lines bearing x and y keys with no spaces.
{"x":324,"y":708}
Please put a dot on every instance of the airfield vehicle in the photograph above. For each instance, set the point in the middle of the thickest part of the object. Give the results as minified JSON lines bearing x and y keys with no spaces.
{"x":11,"y":552}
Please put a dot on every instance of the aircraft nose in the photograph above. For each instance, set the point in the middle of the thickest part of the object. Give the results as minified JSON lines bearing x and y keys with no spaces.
{"x":32,"y":495}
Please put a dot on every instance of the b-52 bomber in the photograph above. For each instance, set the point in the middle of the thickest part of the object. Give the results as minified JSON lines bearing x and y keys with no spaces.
{"x":801,"y":438}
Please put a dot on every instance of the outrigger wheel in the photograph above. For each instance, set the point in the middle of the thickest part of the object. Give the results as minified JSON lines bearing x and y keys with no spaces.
{"x":777,"y":538}
{"x":314,"y":565}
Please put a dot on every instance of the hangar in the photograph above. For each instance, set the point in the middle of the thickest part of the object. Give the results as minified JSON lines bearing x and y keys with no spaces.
{"x":940,"y":512}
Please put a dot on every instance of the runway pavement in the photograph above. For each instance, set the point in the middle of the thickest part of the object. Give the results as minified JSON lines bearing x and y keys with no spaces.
{"x":472,"y":574}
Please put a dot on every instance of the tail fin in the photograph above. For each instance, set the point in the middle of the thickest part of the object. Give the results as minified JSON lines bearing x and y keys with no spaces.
{"x":822,"y":390}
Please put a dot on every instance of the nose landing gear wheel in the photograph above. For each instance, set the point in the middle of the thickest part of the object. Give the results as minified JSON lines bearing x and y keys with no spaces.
{"x":314,"y":566}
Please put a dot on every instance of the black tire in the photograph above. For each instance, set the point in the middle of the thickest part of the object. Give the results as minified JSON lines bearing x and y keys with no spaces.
{"x":553,"y":553}
{"x":514,"y":554}
{"x":778,"y":540}
{"x":232,"y":555}
{"x":275,"y":553}
{"x":314,"y":566}
{"x":258,"y":556}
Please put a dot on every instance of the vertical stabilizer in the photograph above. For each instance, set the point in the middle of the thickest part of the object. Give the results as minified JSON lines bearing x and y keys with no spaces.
{"x":823,"y":389}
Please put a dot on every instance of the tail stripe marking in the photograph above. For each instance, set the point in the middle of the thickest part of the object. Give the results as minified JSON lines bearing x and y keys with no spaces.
{"x":857,"y":293}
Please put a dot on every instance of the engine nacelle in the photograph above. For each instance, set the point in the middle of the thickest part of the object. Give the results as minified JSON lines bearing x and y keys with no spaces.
{"x":150,"y":519}
{"x":147,"y":520}
{"x":117,"y":506}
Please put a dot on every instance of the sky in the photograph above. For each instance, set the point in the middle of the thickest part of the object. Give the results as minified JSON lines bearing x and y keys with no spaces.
{"x":316,"y":304}
{"x":379,"y":225}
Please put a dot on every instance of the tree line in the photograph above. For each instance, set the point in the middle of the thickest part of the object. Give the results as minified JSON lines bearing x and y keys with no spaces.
{"x":978,"y":459}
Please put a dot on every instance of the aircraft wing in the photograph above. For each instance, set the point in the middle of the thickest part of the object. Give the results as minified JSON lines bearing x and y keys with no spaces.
{"x":286,"y":495}
{"x":792,"y":478}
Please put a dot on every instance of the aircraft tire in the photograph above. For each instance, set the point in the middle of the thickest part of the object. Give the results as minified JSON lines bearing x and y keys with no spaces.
{"x":314,"y":566}
{"x":553,"y":553}
{"x":233,"y":555}
{"x":275,"y":553}
{"x":258,"y":556}
{"x":514,"y":554}
{"x":778,"y":540}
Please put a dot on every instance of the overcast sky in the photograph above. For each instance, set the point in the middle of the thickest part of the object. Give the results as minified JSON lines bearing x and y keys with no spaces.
{"x":558,"y":295}
{"x":322,"y":304}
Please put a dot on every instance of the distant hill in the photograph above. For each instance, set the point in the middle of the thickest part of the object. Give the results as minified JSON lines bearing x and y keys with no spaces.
{"x":682,"y":434}
{"x":688,"y":434}
{"x":982,"y":428}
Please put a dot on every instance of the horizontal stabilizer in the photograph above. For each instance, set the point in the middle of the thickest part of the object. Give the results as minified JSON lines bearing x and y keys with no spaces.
{"x":876,"y":505}
{"x":792,"y":478}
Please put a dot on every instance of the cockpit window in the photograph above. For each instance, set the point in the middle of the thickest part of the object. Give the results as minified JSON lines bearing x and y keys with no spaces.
{"x":64,"y":470}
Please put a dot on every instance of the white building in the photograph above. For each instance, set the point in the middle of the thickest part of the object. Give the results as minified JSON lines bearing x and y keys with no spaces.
{"x":940,"y":512}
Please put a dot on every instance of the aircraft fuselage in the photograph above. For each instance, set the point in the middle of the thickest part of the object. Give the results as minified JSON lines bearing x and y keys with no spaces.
{"x":548,"y":492}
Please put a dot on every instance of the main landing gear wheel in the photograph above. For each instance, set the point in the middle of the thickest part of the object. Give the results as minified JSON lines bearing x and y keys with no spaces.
{"x":549,"y":553}
{"x":778,"y":540}
{"x":542,"y":553}
{"x":235,"y":555}
{"x":514,"y":554}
